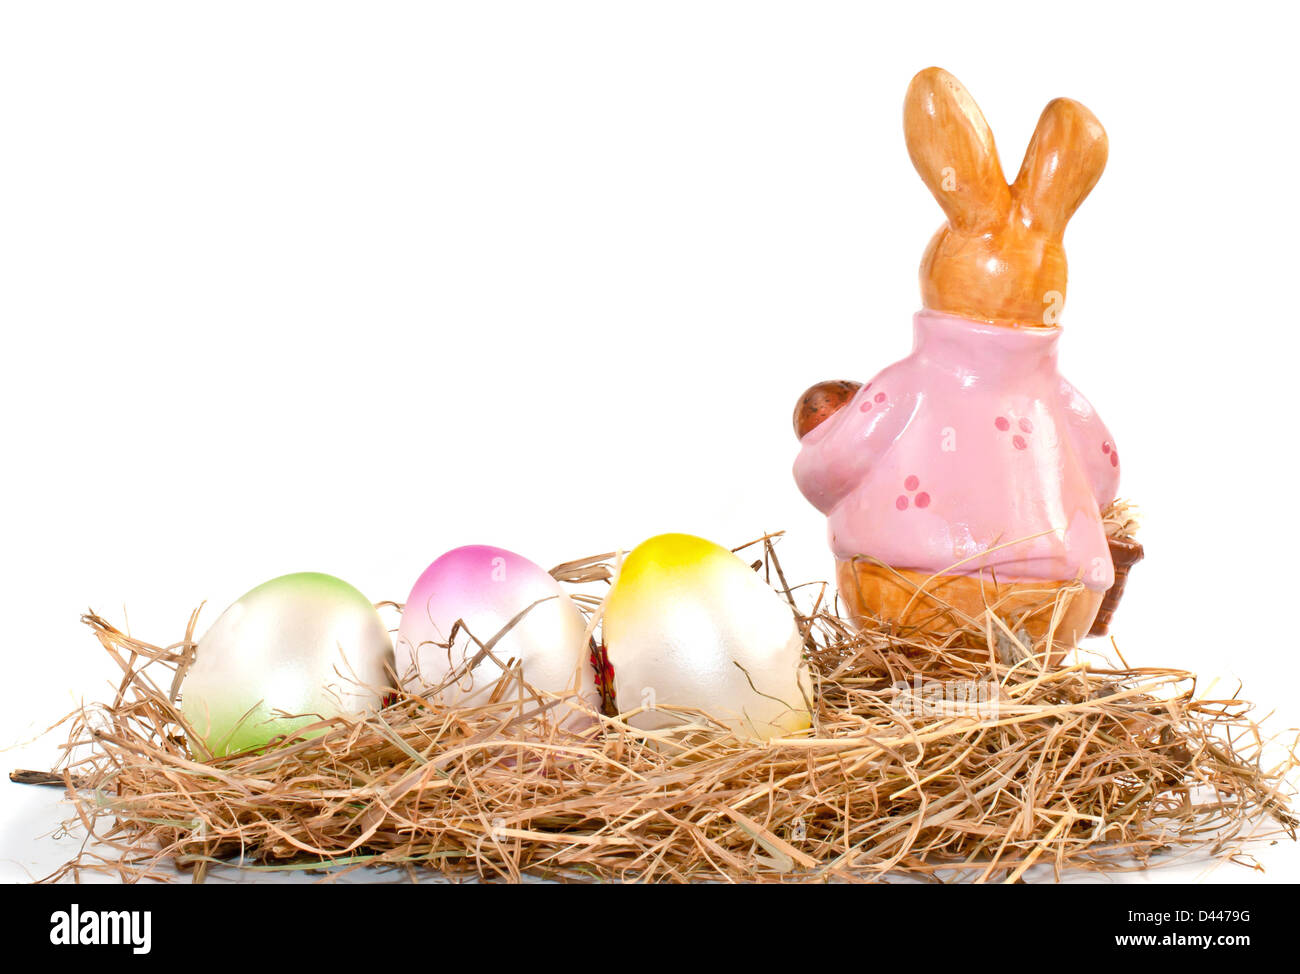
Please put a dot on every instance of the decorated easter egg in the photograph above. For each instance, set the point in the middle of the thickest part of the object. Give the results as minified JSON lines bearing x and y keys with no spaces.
{"x":689,"y":624}
{"x":292,"y":651}
{"x":486,"y":588}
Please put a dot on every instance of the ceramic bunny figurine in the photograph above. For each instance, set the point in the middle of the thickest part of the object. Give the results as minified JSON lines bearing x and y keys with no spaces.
{"x":971,"y":474}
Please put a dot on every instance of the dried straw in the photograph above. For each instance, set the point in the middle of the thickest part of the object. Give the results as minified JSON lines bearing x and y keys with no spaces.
{"x":921,"y":761}
{"x":1120,"y":520}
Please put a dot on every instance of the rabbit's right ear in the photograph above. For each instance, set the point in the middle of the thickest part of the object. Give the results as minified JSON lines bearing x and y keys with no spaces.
{"x":1064,"y":160}
{"x":951,"y":146}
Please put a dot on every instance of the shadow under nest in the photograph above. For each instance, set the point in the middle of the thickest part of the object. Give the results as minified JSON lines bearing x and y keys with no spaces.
{"x":968,"y":760}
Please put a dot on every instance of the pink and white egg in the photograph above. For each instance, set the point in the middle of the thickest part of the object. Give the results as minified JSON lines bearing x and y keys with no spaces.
{"x":486,"y":589}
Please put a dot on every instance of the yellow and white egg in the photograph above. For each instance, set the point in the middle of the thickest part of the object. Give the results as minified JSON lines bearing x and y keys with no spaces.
{"x":688,"y":624}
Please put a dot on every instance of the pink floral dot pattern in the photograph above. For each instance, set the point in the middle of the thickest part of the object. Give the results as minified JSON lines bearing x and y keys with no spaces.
{"x":876,"y":400}
{"x":920,"y":500}
{"x":1026,"y":427}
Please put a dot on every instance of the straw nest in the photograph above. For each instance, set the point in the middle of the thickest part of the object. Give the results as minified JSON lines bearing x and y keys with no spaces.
{"x":924,"y":759}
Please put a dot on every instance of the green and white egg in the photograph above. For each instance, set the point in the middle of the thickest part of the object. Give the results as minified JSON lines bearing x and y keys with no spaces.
{"x":688,"y":624}
{"x":291,"y":652}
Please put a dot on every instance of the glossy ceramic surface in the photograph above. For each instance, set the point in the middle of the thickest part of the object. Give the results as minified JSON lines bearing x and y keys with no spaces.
{"x":972,"y":453}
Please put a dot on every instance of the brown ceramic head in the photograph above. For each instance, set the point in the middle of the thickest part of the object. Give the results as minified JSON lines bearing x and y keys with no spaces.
{"x":999,"y":257}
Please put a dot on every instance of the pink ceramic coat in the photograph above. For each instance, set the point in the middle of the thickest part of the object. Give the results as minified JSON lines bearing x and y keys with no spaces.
{"x":971,"y":454}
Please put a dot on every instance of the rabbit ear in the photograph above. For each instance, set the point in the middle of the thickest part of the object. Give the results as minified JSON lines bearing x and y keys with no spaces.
{"x":1062,"y":165}
{"x":952,"y":148}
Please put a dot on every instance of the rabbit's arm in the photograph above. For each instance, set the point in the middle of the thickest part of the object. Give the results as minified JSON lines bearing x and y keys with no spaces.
{"x":1093,"y":445}
{"x":836,"y":455}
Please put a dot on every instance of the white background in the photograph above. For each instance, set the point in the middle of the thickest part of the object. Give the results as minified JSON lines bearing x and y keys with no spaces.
{"x":337,"y":287}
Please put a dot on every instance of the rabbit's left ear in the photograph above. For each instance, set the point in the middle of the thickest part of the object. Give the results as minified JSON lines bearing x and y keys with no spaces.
{"x":1062,"y":165}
